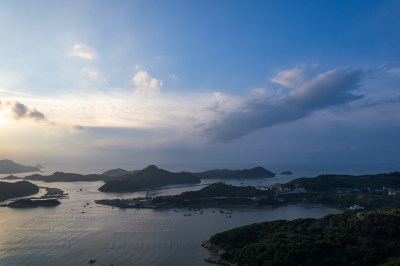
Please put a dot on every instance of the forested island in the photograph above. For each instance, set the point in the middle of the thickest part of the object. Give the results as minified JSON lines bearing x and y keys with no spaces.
{"x":120,"y":180}
{"x":256,"y":172}
{"x":343,"y":191}
{"x":68,"y":177}
{"x":33,"y":203}
{"x":334,"y":183}
{"x":216,"y":194}
{"x":119,"y":172}
{"x":148,"y":178}
{"x":11,"y":167}
{"x":286,"y":173}
{"x":346,"y":192}
{"x":17,"y":189}
{"x":350,"y":238}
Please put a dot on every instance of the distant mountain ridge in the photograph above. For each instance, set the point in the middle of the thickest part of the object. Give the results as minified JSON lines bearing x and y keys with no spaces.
{"x":256,"y":172}
{"x":67,"y":177}
{"x":150,"y":177}
{"x":10,"y":167}
{"x":329,"y":183}
{"x":119,"y":172}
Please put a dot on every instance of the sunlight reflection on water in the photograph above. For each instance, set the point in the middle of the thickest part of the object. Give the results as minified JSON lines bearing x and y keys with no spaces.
{"x":74,"y":232}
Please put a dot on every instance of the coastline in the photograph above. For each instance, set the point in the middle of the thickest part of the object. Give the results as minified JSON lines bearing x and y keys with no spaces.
{"x":216,"y":252}
{"x":48,"y":199}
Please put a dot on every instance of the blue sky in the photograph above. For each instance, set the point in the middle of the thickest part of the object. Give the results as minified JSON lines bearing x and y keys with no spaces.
{"x":200,"y":84}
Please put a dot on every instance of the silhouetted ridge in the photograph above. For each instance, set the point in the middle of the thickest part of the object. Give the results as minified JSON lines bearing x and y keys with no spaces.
{"x":119,"y":172}
{"x":326,"y":183}
{"x":151,"y":168}
{"x":17,"y":189}
{"x":149,"y":177}
{"x":10,"y":167}
{"x":67,"y":177}
{"x":256,"y":172}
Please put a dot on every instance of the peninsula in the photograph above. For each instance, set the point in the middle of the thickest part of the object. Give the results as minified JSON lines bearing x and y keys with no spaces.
{"x":350,"y":238}
{"x":17,"y":189}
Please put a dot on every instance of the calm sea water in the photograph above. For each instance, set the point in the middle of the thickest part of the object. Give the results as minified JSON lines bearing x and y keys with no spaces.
{"x":72,"y":234}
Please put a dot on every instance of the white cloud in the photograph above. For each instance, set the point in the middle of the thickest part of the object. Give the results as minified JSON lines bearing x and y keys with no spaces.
{"x":82,"y":51}
{"x":290,"y":78}
{"x":294,"y":77}
{"x":173,"y":77}
{"x":90,"y":72}
{"x":94,"y":76}
{"x":146,"y":84}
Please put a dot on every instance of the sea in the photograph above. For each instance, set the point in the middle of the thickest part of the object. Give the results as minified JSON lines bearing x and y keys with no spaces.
{"x":79,"y":231}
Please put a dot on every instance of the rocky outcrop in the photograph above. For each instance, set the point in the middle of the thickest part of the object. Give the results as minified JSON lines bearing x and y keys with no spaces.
{"x":217,"y":254}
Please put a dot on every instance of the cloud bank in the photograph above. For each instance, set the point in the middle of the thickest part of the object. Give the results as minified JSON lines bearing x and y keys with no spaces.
{"x":331,"y":88}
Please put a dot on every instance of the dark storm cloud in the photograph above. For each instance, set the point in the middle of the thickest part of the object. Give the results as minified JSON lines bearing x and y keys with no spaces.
{"x":330,"y":88}
{"x":22,"y":111}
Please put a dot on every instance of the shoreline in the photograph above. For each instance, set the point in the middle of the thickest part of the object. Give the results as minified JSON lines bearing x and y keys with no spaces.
{"x":137,"y":203}
{"x":216,"y":252}
{"x":51,"y":194}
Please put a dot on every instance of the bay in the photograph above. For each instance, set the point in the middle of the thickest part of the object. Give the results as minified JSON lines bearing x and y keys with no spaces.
{"x":79,"y":230}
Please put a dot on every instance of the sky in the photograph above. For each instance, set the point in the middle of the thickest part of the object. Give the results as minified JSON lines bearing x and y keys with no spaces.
{"x":196,"y":85}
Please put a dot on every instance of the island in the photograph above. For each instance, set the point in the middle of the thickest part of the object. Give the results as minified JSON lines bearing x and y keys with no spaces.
{"x":350,"y":238}
{"x":39,"y":166}
{"x":17,"y":189}
{"x":355,"y":183}
{"x":213,"y":195}
{"x":12,"y":177}
{"x":148,"y":178}
{"x":67,"y":177}
{"x":119,"y":172}
{"x":256,"y":172}
{"x":342,"y":191}
{"x":11,"y":167}
{"x":304,"y":191}
{"x":32,"y":203}
{"x":286,"y":173}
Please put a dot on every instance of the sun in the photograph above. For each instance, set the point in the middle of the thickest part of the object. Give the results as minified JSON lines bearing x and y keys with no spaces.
{"x":3,"y":118}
